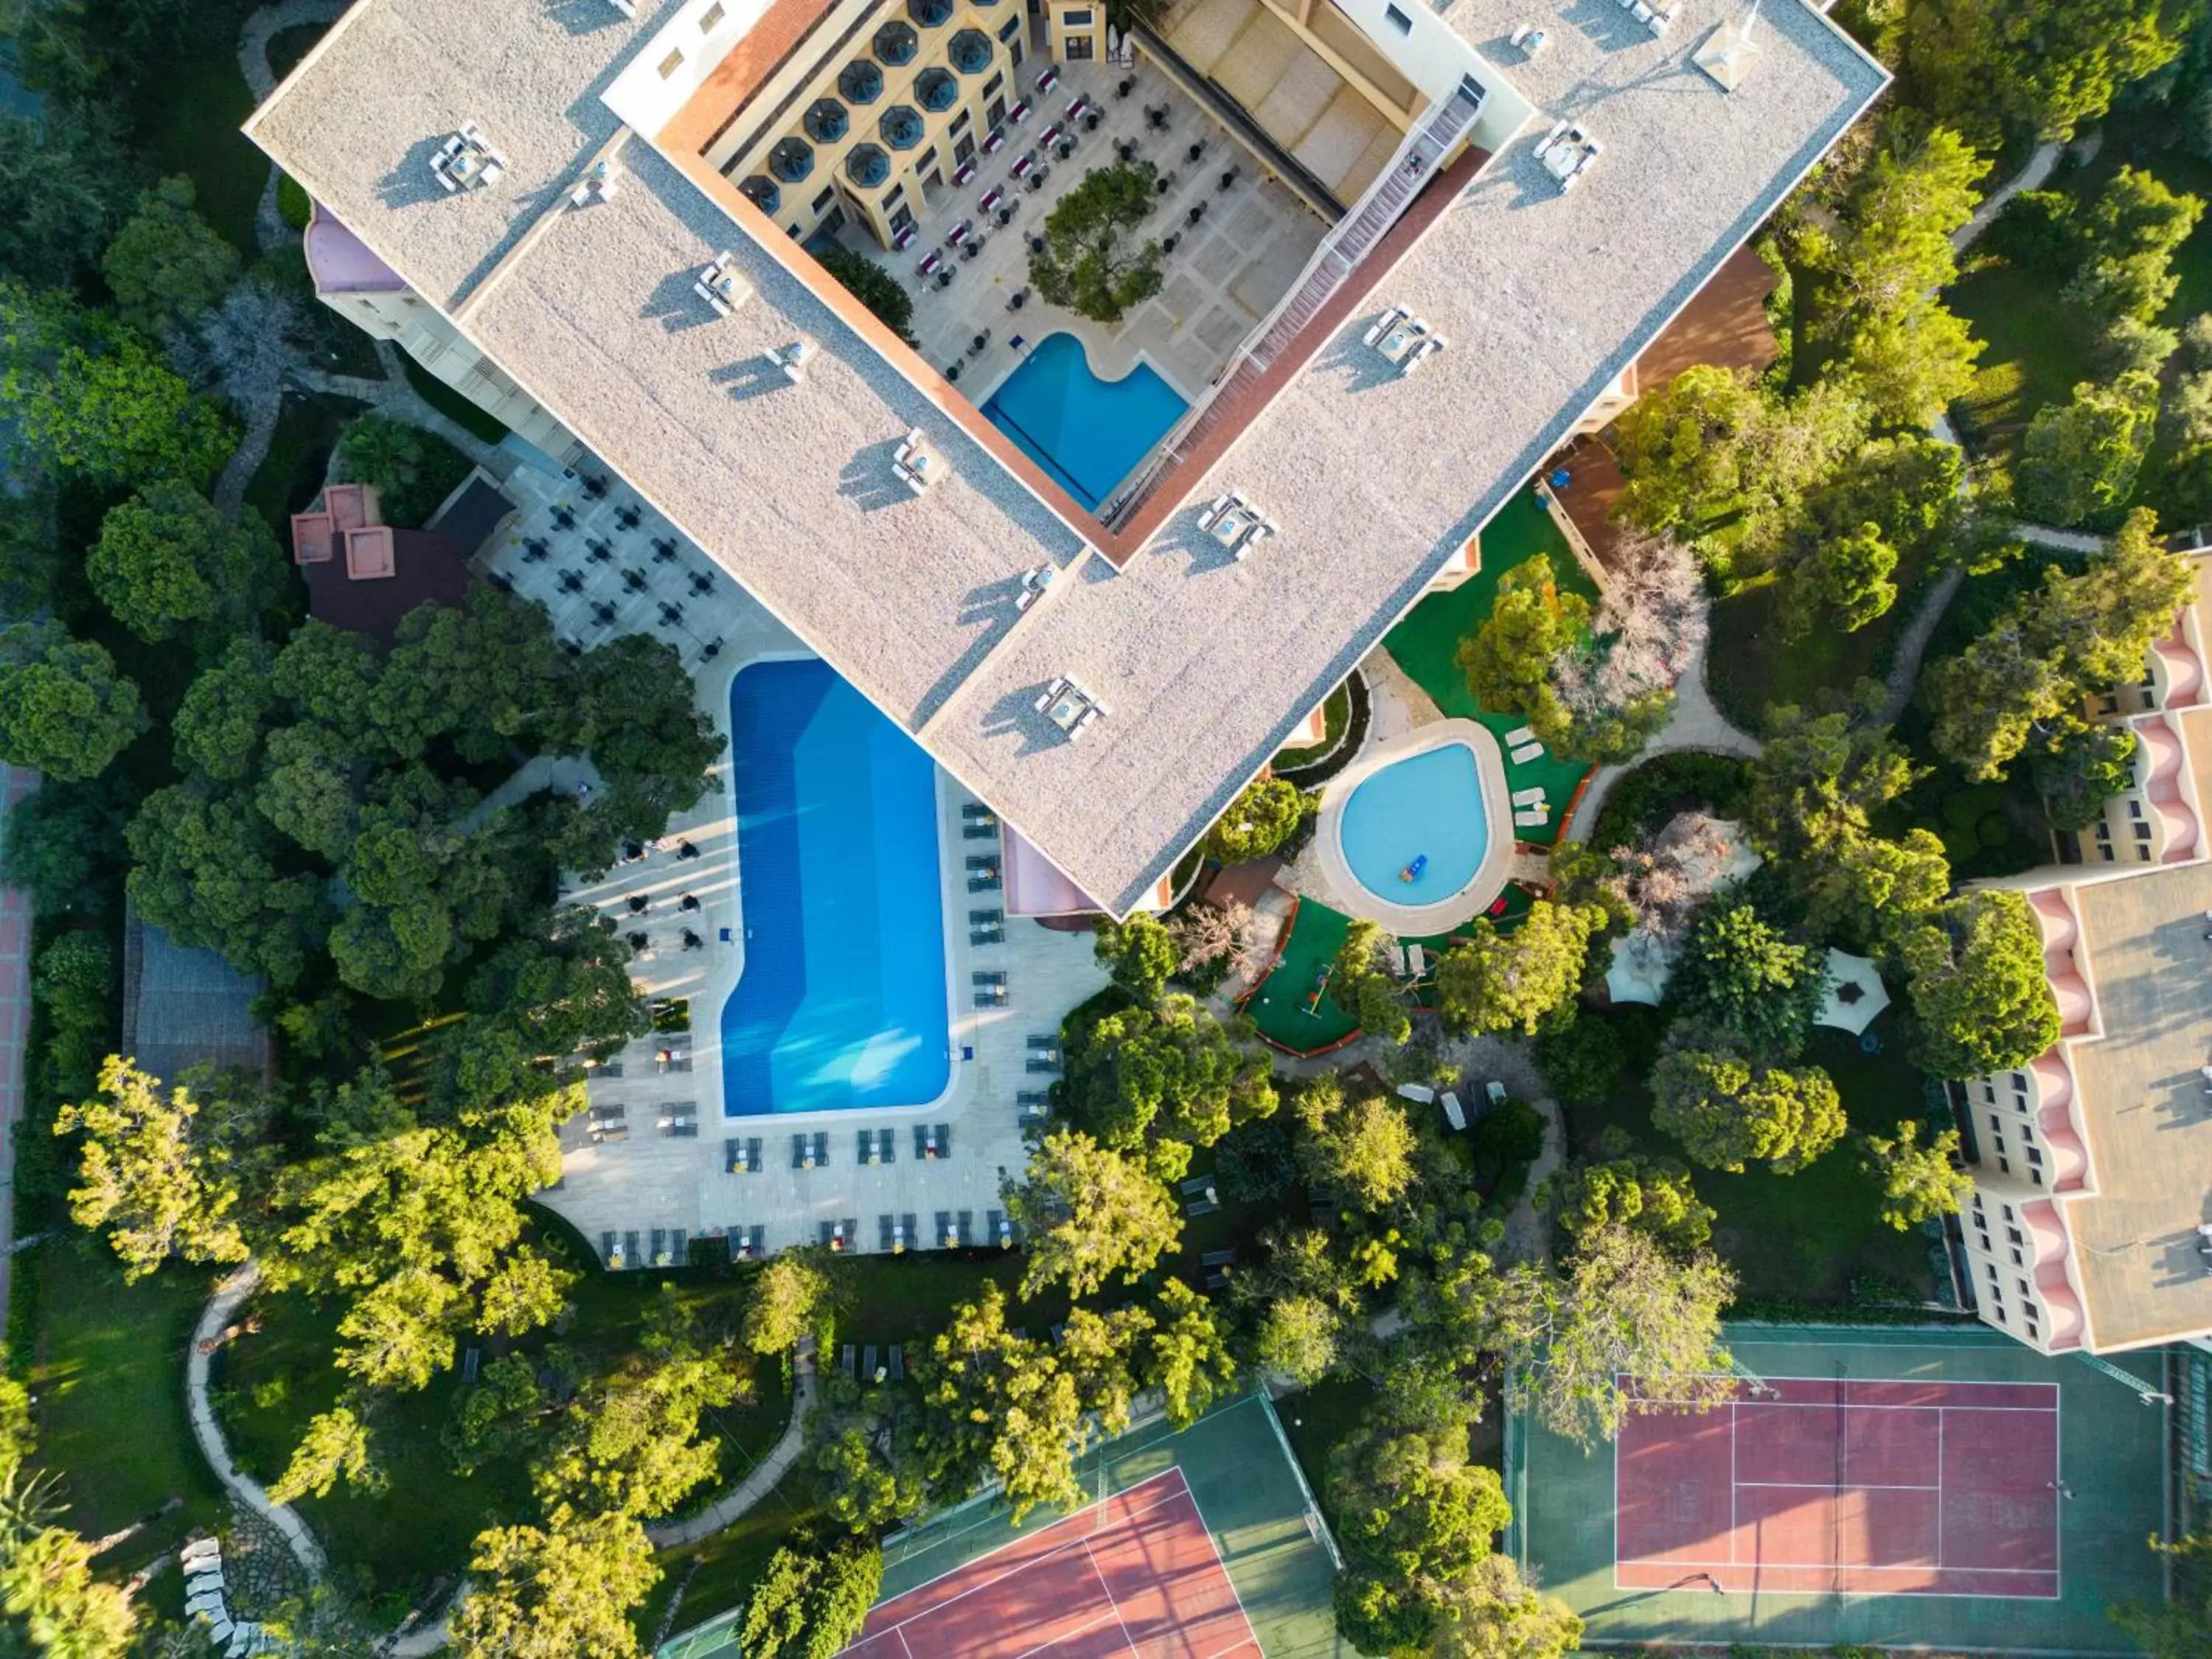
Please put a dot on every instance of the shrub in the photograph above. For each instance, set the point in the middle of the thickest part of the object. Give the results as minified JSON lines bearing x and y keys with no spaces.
{"x":412,"y":470}
{"x":293,"y":205}
{"x":873,"y":286}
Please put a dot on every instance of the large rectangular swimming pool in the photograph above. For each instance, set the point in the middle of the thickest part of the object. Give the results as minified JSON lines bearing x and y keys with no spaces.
{"x":842,"y":1002}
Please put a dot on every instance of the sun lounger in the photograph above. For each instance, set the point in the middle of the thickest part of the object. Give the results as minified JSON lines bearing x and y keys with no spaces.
{"x":1521,"y":734}
{"x":870,"y":1371}
{"x":1216,"y":1258}
{"x":1531,"y":820}
{"x":1529,"y":752}
{"x":896,"y":1363}
{"x":1454,"y":1114}
{"x":986,"y":918}
{"x":1417,"y":960}
{"x":845,"y":1361}
{"x":982,"y":884}
{"x":1528,"y":797}
{"x":1201,"y":1206}
{"x":1218,"y":1280}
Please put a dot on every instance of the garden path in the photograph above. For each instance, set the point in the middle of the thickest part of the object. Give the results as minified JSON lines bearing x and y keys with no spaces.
{"x":1697,"y":724}
{"x":14,"y":1020}
{"x":771,"y":1470}
{"x":248,"y":1493}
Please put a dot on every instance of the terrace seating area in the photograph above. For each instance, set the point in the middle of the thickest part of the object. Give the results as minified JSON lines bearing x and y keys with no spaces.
{"x":1235,"y":238}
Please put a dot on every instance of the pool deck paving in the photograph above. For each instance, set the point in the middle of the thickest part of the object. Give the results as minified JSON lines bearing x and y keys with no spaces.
{"x":654,"y":1178}
{"x":1223,"y":275}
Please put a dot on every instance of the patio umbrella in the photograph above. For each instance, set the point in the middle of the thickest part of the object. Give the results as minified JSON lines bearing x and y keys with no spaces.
{"x":1854,"y":994}
{"x":1640,"y":968}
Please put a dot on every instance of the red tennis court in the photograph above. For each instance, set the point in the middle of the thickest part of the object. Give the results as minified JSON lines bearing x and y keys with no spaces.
{"x":1136,"y":1575}
{"x":1828,"y":1486}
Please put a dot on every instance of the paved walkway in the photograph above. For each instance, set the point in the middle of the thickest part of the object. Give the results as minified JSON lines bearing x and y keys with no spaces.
{"x":757,"y":1486}
{"x":15,"y":1020}
{"x":2030,"y":177}
{"x":1698,"y":725}
{"x":247,"y":1492}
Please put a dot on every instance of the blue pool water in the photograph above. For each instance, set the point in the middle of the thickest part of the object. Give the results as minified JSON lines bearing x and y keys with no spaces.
{"x":842,"y":1002}
{"x":1427,"y":803}
{"x":1089,"y":434}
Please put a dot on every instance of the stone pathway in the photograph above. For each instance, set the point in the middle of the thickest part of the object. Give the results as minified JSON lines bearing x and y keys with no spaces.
{"x":15,"y":1020}
{"x":248,"y":1493}
{"x":757,"y":1486}
{"x":1698,"y":725}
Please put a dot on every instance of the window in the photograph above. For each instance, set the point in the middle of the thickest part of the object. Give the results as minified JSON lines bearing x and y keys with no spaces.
{"x":712,"y":16}
{"x":2035,"y":1156}
{"x":2036,"y":1175}
{"x":2033,"y":1335}
{"x":824,"y":198}
{"x":1989,"y":1093}
{"x":963,"y":149}
{"x":898,"y":195}
{"x":2016,"y":1261}
{"x":1995,"y":1122}
{"x":1079,"y":18}
{"x":2142,"y":855}
{"x":672,"y":62}
{"x":1076,"y":48}
{"x":901,"y":219}
{"x":1992,"y":1267}
{"x":2106,"y":850}
{"x":1013,"y":26}
{"x":2025,"y":1291}
{"x":2004,"y":1163}
{"x":2142,"y":832}
{"x":2009,"y":1215}
{"x":928,"y":163}
{"x":2012,"y":1233}
{"x":1999,"y":1142}
{"x":2134,"y":809}
{"x":993,"y":87}
{"x":2108,"y":704}
{"x":960,"y":124}
{"x":2000,"y":1312}
{"x":1398,"y":19}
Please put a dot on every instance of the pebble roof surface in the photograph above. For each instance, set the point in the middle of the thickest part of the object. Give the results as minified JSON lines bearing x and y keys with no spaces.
{"x":1206,"y":664}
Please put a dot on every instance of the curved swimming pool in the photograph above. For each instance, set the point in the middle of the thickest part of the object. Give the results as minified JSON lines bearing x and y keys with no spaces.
{"x":842,"y":1001}
{"x":1426,"y":809}
{"x":1089,"y":434}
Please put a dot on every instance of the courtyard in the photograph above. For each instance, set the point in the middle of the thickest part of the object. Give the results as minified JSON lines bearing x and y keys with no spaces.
{"x":1224,"y":270}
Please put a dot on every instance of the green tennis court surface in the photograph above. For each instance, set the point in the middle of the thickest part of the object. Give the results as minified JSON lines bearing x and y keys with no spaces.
{"x":1937,"y":1487}
{"x":1234,"y":1470}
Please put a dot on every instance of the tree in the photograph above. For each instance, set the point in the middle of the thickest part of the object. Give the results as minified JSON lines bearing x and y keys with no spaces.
{"x":1727,"y":1110}
{"x":2079,"y":459}
{"x":1581,"y":1058}
{"x":556,"y":1591}
{"x":2052,"y":64}
{"x":873,"y":286}
{"x":1362,"y":1148}
{"x":1737,"y":974}
{"x":1628,"y":1189}
{"x":1298,"y":1337}
{"x":89,"y":398}
{"x":790,"y":1300}
{"x":1616,"y":683}
{"x":334,"y":1447}
{"x":645,"y":733}
{"x":1508,"y":660}
{"x":1259,"y":820}
{"x":1883,"y":324}
{"x":631,"y":1442}
{"x":64,"y":709}
{"x":46,"y":1583}
{"x":1140,"y":953}
{"x":866,"y":1489}
{"x":1919,"y":1181}
{"x":1088,"y":1214}
{"x":1690,"y":449}
{"x":1849,"y":574}
{"x":248,"y":348}
{"x":219,"y":725}
{"x":162,"y":1182}
{"x":1496,"y":981}
{"x":1492,"y":1614}
{"x":2085,"y":767}
{"x":1358,"y":981}
{"x":2128,"y":235}
{"x":1823,"y":773}
{"x":1208,"y":933}
{"x":205,"y":870}
{"x":410,"y":470}
{"x":1978,"y":985}
{"x":1187,"y":1357}
{"x":2021,"y":684}
{"x":999,"y":1403}
{"x":167,"y":263}
{"x":1415,"y":1515}
{"x":811,"y":1598}
{"x":1092,"y":262}
{"x":1867,"y":888}
{"x":64,"y":844}
{"x":64,"y":180}
{"x":1627,"y":1328}
{"x":1165,"y":1078}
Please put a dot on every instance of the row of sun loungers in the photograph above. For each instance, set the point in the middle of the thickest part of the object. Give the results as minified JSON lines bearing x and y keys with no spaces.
{"x":667,"y":1247}
{"x":870,"y":1367}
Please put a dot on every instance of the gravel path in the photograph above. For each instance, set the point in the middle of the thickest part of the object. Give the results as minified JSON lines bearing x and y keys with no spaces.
{"x":757,"y":1486}
{"x":245,"y":1491}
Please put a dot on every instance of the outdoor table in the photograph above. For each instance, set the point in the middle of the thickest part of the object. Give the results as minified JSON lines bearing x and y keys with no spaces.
{"x":1049,"y":80}
{"x":957,"y":235}
{"x":1019,"y":112}
{"x":1022,"y":166}
{"x":996,"y":136}
{"x":963,"y":173}
{"x":992,"y":198}
{"x":1051,"y":136}
{"x":930,"y":262}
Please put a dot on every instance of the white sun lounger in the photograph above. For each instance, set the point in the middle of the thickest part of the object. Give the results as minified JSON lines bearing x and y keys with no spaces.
{"x":1527,"y":752}
{"x":1454,"y":1114}
{"x":1520,"y":735}
{"x":1417,"y":960}
{"x":1528,"y":797}
{"x":1531,"y":820}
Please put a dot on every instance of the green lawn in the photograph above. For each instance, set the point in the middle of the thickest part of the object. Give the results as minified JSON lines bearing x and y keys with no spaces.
{"x":1426,"y":646}
{"x":1319,"y":1418}
{"x":1755,"y":663}
{"x":107,"y":1372}
{"x":1280,"y":1007}
{"x":1804,"y":1237}
{"x":190,"y":121}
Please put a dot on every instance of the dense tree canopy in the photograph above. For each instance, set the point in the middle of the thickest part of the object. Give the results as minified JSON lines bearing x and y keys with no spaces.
{"x":1738,"y":974}
{"x":812,"y":1598}
{"x":63,"y":708}
{"x":555,"y":1591}
{"x":1090,"y":1213}
{"x":1094,"y":262}
{"x":1259,"y":820}
{"x":2079,"y":459}
{"x":1167,"y":1077}
{"x":1496,"y":981}
{"x":167,"y":263}
{"x":1919,"y":1180}
{"x":1728,"y":1110}
{"x":1979,"y":986}
{"x":2052,"y":65}
{"x":166,"y":563}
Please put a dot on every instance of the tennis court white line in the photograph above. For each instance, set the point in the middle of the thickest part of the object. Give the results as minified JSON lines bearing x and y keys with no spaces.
{"x":1848,"y":1486}
{"x":1831,"y":1566}
{"x":903,"y":1648}
{"x":1028,"y":1653}
{"x":1251,"y":1636}
{"x":1057,"y":1550}
{"x":1127,"y":1640}
{"x":1877,"y":1405}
